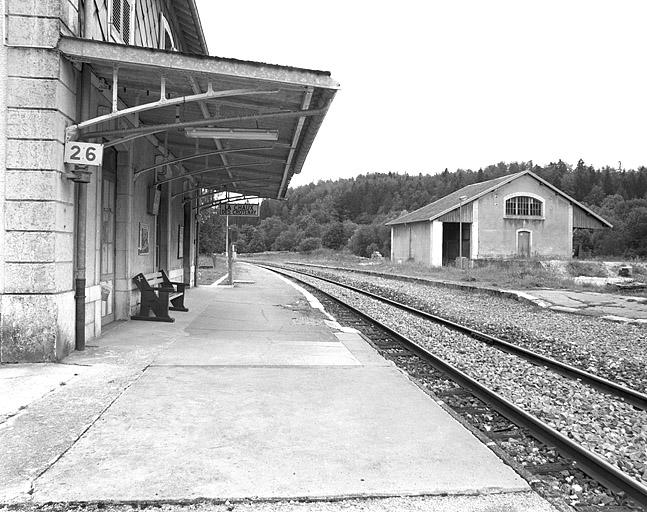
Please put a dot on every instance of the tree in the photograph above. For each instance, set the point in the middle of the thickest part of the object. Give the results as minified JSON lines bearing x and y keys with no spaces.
{"x":271,"y":228}
{"x":309,"y":244}
{"x":635,"y":231}
{"x":287,"y":240}
{"x":335,"y":236}
{"x":212,"y":232}
{"x":368,"y":238}
{"x":251,"y":239}
{"x":314,"y":210}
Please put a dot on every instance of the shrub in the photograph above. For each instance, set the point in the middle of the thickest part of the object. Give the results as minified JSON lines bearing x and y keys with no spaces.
{"x":369,"y":238}
{"x":309,"y":244}
{"x":335,"y":236}
{"x":287,"y":240}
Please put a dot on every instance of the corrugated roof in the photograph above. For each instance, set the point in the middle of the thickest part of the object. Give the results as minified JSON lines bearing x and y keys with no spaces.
{"x":474,"y":191}
{"x":451,"y":201}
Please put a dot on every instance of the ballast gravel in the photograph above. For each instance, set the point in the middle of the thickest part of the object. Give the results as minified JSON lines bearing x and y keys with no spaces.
{"x":609,"y":427}
{"x":615,"y":351}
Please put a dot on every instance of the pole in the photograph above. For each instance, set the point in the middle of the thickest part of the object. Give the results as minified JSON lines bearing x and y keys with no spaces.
{"x":230,"y":257}
{"x":197,"y":248}
{"x":460,"y":229}
{"x":226,"y":235}
{"x":460,"y":234}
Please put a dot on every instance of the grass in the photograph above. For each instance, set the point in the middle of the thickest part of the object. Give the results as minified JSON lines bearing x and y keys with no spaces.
{"x":587,"y":268}
{"x":207,"y":273}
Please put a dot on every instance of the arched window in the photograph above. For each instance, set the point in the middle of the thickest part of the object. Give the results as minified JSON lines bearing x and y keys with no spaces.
{"x":524,"y":206}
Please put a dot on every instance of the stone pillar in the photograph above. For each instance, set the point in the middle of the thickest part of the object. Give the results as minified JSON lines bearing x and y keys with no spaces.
{"x":3,"y":159}
{"x":164,"y":216}
{"x":37,"y":309}
{"x":125,"y":247}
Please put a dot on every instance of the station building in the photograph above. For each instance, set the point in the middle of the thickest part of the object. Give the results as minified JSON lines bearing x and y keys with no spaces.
{"x":174,"y":127}
{"x":520,"y":215}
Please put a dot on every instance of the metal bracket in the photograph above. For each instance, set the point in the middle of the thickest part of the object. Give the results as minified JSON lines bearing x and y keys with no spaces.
{"x":78,"y":173}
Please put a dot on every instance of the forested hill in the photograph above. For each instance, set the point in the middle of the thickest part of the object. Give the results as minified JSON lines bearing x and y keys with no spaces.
{"x":352,"y":212}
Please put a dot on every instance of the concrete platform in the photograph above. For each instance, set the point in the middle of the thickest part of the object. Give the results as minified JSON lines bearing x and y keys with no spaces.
{"x":609,"y":306}
{"x":253,"y":393}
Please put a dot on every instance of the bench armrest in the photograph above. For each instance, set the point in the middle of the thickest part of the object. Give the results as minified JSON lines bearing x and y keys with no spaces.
{"x":177,"y":283}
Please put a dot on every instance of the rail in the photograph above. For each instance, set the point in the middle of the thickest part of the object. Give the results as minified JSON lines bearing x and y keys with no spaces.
{"x":587,"y":461}
{"x":631,"y":396}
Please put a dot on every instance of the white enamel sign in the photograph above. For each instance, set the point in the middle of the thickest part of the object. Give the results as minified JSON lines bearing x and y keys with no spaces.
{"x":239,"y":210}
{"x":83,"y":153}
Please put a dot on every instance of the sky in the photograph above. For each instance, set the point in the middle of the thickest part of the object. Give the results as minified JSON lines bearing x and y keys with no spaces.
{"x":429,"y":85}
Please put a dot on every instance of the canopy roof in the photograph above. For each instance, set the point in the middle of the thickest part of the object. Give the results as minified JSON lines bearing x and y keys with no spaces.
{"x":188,"y":22}
{"x":163,"y":95}
{"x":471,"y":192}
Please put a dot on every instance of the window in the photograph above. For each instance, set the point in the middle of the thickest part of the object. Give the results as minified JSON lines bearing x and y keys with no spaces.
{"x":120,"y":20}
{"x":523,"y":206}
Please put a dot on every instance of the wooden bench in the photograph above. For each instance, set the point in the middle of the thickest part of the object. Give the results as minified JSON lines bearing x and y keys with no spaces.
{"x":156,"y":294}
{"x":177,"y":296}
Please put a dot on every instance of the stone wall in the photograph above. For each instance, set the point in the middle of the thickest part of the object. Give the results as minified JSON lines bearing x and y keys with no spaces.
{"x":38,"y":203}
{"x":37,"y":301}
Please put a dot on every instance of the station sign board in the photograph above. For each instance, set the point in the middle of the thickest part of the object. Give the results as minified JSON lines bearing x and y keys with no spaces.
{"x":239,"y":209}
{"x":83,"y":153}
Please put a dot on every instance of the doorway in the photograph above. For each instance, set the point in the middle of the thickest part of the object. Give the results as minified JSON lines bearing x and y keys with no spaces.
{"x":451,"y":233}
{"x":108,"y":207}
{"x":523,"y":244}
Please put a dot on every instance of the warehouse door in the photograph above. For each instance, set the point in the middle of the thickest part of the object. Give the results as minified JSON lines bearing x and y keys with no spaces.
{"x":108,"y":204}
{"x":451,"y":233}
{"x":523,"y":244}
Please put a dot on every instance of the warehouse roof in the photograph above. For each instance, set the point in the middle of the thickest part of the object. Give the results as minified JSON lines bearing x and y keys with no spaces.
{"x":471,"y":192}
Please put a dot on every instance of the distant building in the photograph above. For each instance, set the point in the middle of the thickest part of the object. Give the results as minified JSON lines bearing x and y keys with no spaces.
{"x":116,"y":129}
{"x":519,"y":215}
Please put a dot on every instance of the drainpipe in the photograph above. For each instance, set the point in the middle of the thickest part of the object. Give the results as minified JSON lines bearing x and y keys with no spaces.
{"x":79,"y":274}
{"x":81,"y":223}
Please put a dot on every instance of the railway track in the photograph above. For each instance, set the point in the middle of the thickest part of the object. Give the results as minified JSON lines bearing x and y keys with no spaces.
{"x":631,"y":396}
{"x":613,"y":351}
{"x":590,"y":463}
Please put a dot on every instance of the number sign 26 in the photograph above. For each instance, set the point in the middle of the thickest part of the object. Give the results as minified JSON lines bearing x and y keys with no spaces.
{"x":83,"y":153}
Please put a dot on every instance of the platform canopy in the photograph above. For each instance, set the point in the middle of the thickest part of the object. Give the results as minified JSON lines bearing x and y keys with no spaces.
{"x":225,"y":124}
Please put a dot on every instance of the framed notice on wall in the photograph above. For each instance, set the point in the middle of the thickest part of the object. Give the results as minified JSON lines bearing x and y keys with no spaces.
{"x":180,"y":241}
{"x":144,"y":243}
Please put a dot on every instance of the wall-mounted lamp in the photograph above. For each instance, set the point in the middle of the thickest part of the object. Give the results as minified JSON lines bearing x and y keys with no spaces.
{"x":232,"y":133}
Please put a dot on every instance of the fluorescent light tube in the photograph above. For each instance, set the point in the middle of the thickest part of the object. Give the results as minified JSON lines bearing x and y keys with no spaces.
{"x":232,"y":133}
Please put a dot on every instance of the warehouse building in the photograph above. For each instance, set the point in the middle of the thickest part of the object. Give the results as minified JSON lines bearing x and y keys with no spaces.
{"x":116,"y":129}
{"x":516,"y":216}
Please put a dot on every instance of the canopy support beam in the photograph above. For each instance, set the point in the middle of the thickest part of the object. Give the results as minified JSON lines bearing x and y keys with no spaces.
{"x":197,"y":155}
{"x":145,"y":130}
{"x":195,"y":87}
{"x":202,"y":171}
{"x":307,"y":97}
{"x":72,"y":131}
